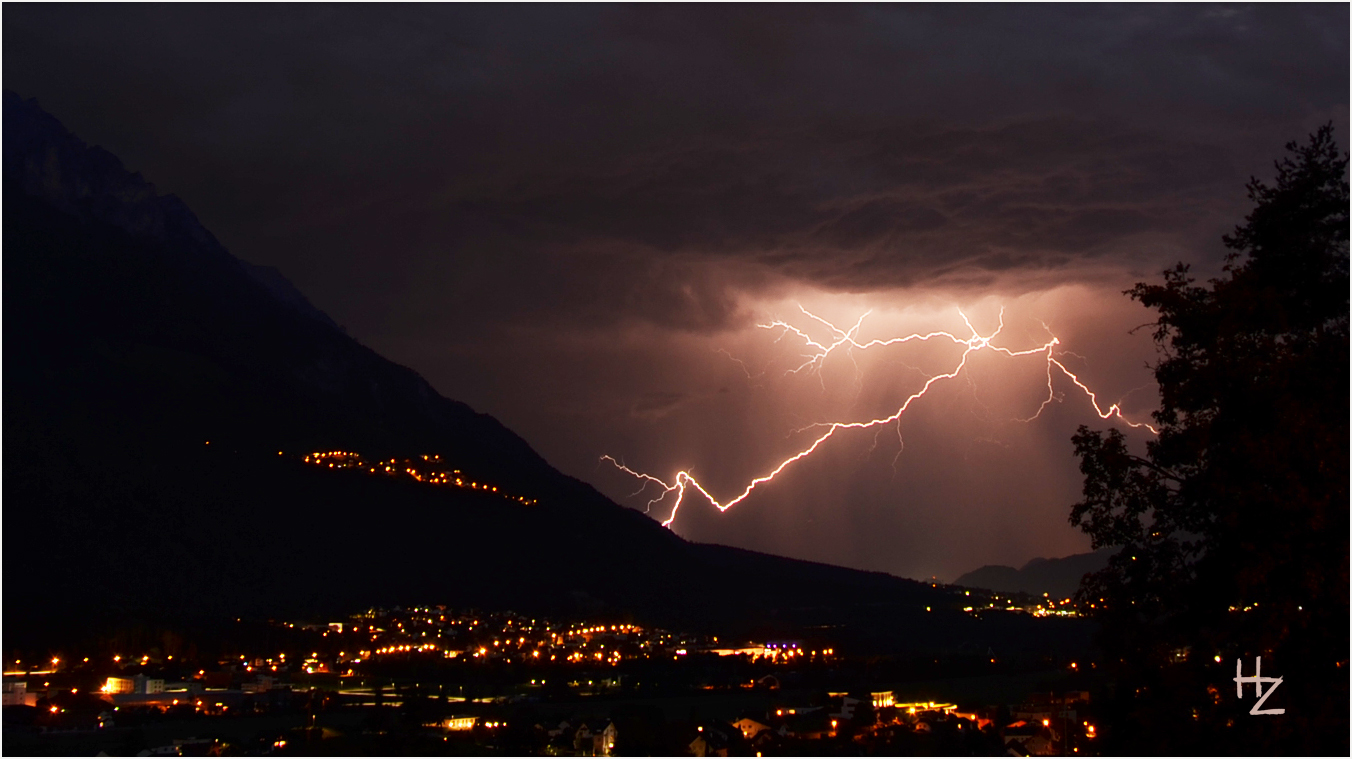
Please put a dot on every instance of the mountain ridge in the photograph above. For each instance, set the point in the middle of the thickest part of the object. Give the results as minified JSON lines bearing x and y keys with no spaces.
{"x":153,"y":378}
{"x":1059,"y":577}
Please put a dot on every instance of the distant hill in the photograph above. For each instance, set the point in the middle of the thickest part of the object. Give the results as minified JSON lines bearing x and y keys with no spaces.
{"x":1058,"y":577}
{"x":132,"y":337}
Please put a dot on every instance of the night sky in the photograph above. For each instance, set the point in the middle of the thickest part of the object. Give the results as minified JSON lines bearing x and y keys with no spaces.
{"x":574,"y":218}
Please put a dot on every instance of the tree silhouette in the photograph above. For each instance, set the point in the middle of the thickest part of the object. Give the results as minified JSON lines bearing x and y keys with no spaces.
{"x":1234,"y":524}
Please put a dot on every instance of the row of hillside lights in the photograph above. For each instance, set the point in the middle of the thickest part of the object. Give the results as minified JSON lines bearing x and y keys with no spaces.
{"x":350,"y":460}
{"x":603,"y":628}
{"x":56,"y":661}
{"x":406,"y":649}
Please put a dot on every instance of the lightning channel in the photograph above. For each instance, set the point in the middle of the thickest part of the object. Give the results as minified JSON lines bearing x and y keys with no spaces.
{"x":684,"y":482}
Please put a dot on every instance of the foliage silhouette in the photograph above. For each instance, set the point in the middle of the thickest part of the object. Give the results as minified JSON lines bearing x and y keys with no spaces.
{"x":1234,"y":525}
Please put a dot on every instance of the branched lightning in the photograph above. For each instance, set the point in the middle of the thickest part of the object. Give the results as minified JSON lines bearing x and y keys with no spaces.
{"x":847,"y":339}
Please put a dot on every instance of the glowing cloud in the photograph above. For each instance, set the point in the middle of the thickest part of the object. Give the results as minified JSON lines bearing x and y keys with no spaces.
{"x":847,"y":338}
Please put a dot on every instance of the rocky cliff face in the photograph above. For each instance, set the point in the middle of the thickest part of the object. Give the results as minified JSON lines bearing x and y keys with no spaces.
{"x":47,"y":161}
{"x":44,"y":160}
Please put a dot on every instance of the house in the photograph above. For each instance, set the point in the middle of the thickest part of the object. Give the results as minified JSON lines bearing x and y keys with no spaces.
{"x":717,"y":739}
{"x":1024,"y":738}
{"x":847,"y":707}
{"x":767,"y":741}
{"x":606,"y":744}
{"x":750,"y":728}
{"x":588,"y":741}
{"x":583,"y":745}
{"x":702,"y":747}
{"x":1020,"y":731}
{"x":1039,"y":746}
{"x":811,"y":723}
{"x":16,"y":694}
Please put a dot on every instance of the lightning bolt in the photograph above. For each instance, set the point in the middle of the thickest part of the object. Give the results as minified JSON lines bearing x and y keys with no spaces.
{"x":816,"y":356}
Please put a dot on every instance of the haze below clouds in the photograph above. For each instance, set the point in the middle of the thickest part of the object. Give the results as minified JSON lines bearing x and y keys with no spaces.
{"x":574,"y":217}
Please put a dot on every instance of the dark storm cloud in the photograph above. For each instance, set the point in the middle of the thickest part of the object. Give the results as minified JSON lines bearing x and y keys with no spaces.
{"x":570,"y":216}
{"x":855,"y":147}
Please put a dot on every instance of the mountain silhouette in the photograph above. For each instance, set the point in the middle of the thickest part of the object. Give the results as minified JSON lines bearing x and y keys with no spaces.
{"x":1059,"y":578}
{"x":152,"y":379}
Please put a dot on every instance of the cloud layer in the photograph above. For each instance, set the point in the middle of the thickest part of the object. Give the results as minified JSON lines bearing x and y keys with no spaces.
{"x":561,"y":214}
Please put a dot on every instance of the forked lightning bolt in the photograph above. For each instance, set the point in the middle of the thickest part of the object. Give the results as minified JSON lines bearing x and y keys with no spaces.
{"x":846,"y":338}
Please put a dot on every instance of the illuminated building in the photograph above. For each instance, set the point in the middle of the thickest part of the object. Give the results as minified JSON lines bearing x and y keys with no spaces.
{"x":459,"y":722}
{"x":119,"y":685}
{"x":16,"y":694}
{"x":916,"y":707}
{"x":750,"y":728}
